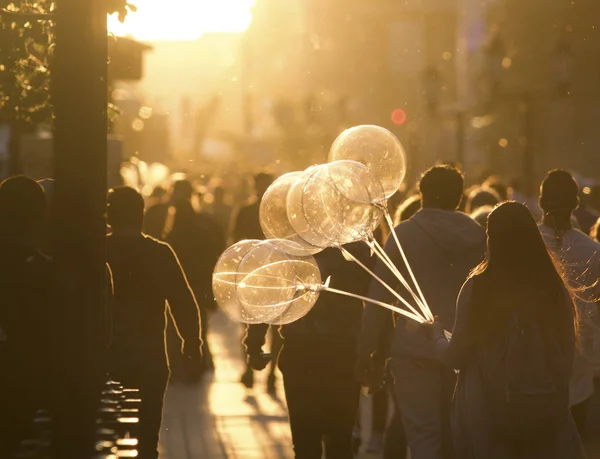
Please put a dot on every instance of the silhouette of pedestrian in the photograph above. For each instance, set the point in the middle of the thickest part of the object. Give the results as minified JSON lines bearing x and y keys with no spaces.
{"x":247,"y":226}
{"x":27,"y":313}
{"x":442,"y":246}
{"x":513,"y":342}
{"x":146,"y":274}
{"x":580,"y":257}
{"x":198,"y":242}
{"x":318,"y":358}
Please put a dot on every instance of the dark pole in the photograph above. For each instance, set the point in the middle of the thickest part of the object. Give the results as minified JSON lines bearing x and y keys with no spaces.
{"x":79,"y":92}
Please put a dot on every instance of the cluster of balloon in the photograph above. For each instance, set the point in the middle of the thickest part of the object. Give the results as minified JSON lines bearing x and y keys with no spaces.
{"x":261,"y":282}
{"x":277,"y":281}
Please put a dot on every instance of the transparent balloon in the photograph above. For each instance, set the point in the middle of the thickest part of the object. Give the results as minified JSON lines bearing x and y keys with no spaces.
{"x":284,"y":285}
{"x":296,"y":215}
{"x":225,"y":282}
{"x":378,"y":149}
{"x":274,"y":219}
{"x":343,"y":201}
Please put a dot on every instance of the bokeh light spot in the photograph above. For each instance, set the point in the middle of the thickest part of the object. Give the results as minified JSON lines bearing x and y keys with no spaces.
{"x":398,"y":117}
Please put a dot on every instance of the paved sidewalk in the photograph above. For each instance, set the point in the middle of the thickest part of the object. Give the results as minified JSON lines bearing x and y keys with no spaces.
{"x":220,"y":418}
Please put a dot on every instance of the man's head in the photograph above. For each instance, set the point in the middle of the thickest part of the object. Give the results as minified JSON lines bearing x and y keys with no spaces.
{"x":182,"y":191}
{"x":559,"y":195}
{"x":441,"y":187}
{"x":125,"y":209}
{"x":22,"y":209}
{"x":262,"y":181}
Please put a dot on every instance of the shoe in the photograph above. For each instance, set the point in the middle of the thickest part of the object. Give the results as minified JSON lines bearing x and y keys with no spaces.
{"x":248,"y":378}
{"x":375,"y":445}
{"x":271,"y":389}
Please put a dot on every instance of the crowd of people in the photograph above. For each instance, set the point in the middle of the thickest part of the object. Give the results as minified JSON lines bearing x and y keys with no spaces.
{"x":515,"y":280}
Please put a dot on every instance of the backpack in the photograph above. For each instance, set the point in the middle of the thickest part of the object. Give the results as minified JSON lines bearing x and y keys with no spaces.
{"x":522,"y":384}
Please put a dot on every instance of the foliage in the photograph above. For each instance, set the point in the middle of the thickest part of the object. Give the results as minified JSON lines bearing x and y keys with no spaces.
{"x":26,"y":58}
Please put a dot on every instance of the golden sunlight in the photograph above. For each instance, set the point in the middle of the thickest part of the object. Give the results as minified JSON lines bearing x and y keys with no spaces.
{"x":182,"y":20}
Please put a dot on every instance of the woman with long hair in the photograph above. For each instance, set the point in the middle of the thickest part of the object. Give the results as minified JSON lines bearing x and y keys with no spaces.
{"x":513,"y":343}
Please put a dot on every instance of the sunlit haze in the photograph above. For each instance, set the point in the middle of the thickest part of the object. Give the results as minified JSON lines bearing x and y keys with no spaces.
{"x":179,"y":20}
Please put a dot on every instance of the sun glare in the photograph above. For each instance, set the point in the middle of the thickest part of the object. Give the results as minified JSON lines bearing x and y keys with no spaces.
{"x":180,"y":20}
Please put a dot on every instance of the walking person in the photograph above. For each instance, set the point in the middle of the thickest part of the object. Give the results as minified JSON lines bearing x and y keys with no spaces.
{"x":247,"y":226}
{"x":146,"y":275}
{"x":318,"y":358}
{"x":442,"y":245}
{"x":513,"y":343}
{"x":198,"y":242}
{"x":27,"y":312}
{"x":580,"y":257}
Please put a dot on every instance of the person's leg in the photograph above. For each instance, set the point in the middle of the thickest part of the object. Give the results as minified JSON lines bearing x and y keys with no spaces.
{"x":579,"y":413}
{"x":379,"y":421}
{"x":418,"y":388}
{"x":152,"y":387}
{"x":448,"y":377}
{"x":341,"y":398}
{"x":304,"y":408}
{"x":276,"y":346}
{"x":395,"y":445}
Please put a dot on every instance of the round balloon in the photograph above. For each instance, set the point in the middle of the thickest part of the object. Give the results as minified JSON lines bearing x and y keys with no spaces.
{"x":343,"y":201}
{"x":378,"y":149}
{"x":286,"y":286}
{"x":296,"y":215}
{"x":224,"y":283}
{"x":274,"y":219}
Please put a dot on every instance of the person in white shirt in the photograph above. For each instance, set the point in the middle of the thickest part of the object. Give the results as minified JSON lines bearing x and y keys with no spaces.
{"x":579,"y":256}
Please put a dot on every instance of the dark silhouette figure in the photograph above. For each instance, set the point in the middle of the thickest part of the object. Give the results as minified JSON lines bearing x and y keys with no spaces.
{"x":198,"y":242}
{"x":442,"y":246}
{"x":515,"y":334}
{"x":247,"y":226}
{"x":221,"y":211}
{"x":481,"y":197}
{"x":318,"y":359}
{"x":580,"y":256}
{"x":28,"y":316}
{"x":146,"y":275}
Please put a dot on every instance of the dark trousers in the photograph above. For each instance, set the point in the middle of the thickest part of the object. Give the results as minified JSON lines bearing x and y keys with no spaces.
{"x":152,"y":384}
{"x":395,"y":444}
{"x":322,"y":399}
{"x":579,"y":413}
{"x":424,"y":391}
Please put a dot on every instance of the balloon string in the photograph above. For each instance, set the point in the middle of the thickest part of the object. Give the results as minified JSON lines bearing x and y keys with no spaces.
{"x":378,"y":279}
{"x":426,"y":309}
{"x":380,"y":252}
{"x":378,"y":303}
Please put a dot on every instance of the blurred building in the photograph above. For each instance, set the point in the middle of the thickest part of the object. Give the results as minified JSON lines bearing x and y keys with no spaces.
{"x":496,"y":85}
{"x":538,"y":80}
{"x":357,"y":61}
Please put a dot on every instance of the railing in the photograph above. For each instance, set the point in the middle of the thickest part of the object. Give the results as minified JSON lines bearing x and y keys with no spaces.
{"x":116,"y":434}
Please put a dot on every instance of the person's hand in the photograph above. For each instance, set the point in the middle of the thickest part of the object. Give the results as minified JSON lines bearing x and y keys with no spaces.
{"x":369,"y":373}
{"x":259,"y":361}
{"x":412,"y":326}
{"x":434,"y":329}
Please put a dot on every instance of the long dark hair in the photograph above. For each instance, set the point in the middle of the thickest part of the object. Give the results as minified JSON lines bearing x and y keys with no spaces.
{"x":519,"y":276}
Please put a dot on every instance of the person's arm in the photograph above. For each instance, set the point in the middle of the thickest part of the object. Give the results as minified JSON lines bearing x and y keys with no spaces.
{"x":182,"y":303}
{"x":458,"y":350}
{"x":376,"y":319}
